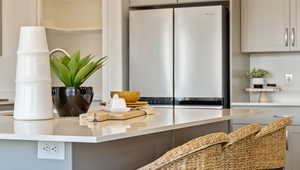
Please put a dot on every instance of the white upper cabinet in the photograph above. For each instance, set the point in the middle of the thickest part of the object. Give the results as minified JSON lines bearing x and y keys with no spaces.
{"x":195,"y":1}
{"x":266,"y":25}
{"x":136,"y":3}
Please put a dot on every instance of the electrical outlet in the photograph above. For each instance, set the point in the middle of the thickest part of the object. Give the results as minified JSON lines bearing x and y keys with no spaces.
{"x":289,"y":78}
{"x":51,"y":150}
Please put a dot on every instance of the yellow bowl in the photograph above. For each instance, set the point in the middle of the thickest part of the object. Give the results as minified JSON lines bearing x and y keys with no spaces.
{"x":129,"y":96}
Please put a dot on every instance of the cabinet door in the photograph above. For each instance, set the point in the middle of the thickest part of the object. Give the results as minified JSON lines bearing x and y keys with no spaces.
{"x":134,"y":3}
{"x":295,"y":25}
{"x":195,"y":1}
{"x":265,"y":25}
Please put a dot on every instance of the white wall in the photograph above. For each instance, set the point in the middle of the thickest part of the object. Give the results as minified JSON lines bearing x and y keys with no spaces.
{"x":16,"y":13}
{"x":88,"y":42}
{"x":19,"y":13}
{"x":240,"y":63}
{"x":115,"y":45}
{"x":279,"y":65}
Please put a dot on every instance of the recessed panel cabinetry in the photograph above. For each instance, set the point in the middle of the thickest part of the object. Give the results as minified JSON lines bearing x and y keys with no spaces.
{"x":265,"y":25}
{"x":295,"y":25}
{"x":270,"y":26}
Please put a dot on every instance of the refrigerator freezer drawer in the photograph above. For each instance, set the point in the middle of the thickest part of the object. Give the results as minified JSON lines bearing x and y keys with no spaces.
{"x":199,"y":69}
{"x":151,"y":52}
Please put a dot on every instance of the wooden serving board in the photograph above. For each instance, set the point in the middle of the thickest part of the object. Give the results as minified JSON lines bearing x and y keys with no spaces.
{"x":100,"y":116}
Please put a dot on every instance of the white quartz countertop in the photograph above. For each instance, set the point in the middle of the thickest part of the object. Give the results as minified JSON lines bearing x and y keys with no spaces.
{"x":72,"y":130}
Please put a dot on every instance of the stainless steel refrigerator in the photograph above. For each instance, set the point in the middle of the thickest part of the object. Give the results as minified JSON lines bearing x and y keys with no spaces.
{"x":179,"y":56}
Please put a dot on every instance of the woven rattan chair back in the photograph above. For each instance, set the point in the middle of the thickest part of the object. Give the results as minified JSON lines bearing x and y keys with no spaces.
{"x":270,"y":146}
{"x":203,"y":153}
{"x":237,"y":153}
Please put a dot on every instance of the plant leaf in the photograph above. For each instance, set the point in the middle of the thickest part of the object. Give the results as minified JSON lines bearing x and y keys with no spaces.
{"x":64,"y":60}
{"x":96,"y":68}
{"x":63,"y":71}
{"x":76,"y":55}
{"x":56,"y":72}
{"x":73,"y":67}
{"x":84,"y":61}
{"x":82,"y":73}
{"x":101,"y":59}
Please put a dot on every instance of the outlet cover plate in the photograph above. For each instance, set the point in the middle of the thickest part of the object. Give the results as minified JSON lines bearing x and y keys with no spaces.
{"x":51,"y":150}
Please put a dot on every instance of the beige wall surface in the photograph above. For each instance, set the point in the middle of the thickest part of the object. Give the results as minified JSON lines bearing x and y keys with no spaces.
{"x":16,"y":13}
{"x":279,"y":65}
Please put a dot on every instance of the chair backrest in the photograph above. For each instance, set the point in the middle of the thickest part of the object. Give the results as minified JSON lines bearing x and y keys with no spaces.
{"x":237,"y":152}
{"x":200,"y":153}
{"x":270,"y":145}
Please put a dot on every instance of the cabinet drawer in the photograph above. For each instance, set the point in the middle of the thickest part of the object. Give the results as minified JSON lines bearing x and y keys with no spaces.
{"x":194,"y":1}
{"x":136,"y":3}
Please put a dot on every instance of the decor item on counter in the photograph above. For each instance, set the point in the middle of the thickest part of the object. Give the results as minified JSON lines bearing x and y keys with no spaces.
{"x":73,"y":71}
{"x":129,"y":96}
{"x":271,"y":85}
{"x":116,"y":104}
{"x":258,"y":77}
{"x":33,"y":76}
{"x":137,"y":104}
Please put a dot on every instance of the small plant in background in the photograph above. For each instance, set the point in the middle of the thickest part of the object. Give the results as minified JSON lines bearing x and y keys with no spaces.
{"x":258,"y":73}
{"x":74,"y":71}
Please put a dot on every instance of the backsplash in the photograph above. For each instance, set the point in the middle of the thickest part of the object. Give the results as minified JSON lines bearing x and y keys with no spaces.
{"x":279,"y":65}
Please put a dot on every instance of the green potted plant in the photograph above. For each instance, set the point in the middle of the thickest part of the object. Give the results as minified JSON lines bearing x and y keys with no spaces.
{"x":73,"y":71}
{"x":257,"y":77}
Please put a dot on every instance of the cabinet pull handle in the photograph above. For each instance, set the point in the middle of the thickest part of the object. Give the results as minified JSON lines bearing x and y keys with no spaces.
{"x":287,"y":140}
{"x":286,"y":37}
{"x":293,"y":37}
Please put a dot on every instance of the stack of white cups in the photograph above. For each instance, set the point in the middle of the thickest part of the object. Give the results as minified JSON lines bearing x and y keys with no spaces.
{"x":33,"y":80}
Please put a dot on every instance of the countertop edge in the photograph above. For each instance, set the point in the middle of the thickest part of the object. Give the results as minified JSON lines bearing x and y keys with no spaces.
{"x":97,"y":139}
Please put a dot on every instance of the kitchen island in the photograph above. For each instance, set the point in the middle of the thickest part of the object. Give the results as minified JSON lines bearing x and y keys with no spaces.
{"x":110,"y":145}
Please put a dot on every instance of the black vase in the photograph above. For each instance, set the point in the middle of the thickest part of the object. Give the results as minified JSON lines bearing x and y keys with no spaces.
{"x":72,"y":101}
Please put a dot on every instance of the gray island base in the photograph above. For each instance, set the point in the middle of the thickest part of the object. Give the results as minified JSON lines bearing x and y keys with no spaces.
{"x":112,"y":145}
